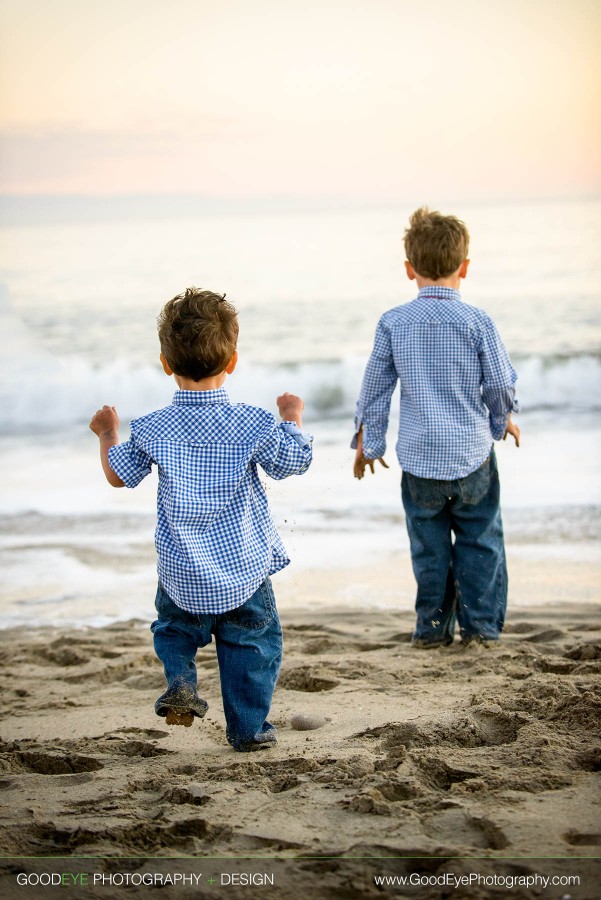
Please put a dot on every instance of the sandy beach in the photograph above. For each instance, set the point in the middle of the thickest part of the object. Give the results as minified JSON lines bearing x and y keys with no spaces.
{"x":453,"y":760}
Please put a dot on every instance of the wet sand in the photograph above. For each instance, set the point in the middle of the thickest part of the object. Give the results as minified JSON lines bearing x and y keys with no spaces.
{"x":487,"y":754}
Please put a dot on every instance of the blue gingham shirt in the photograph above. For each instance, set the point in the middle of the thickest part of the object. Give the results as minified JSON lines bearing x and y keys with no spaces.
{"x":456,"y":386}
{"x":216,"y":541}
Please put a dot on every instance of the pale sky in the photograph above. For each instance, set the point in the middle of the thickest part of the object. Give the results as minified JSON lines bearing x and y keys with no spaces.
{"x":360,"y":99}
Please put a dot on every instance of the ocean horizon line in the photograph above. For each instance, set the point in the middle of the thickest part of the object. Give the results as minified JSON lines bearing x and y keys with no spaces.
{"x":43,"y":208}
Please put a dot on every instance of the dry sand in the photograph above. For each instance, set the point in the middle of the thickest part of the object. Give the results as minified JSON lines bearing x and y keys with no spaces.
{"x":489,"y":757}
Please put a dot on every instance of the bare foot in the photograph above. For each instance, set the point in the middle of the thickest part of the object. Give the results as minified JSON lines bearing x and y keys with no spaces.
{"x":179,"y":718}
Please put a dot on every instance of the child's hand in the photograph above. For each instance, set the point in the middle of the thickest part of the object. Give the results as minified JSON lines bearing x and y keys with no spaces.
{"x":512,"y":429}
{"x":105,"y":420}
{"x":361,"y":462}
{"x":105,"y":423}
{"x":290,"y":407}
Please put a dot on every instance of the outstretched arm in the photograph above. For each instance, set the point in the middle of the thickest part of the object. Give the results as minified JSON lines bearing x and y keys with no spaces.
{"x":286,"y":449}
{"x":105,"y":424}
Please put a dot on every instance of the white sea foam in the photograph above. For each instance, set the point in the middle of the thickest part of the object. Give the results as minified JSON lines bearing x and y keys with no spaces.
{"x":66,"y":392}
{"x":50,"y":393}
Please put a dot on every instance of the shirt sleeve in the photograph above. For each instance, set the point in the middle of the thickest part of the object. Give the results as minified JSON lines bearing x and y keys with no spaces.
{"x":373,"y":405}
{"x":286,"y":451}
{"x":498,"y":380}
{"x":130,"y":462}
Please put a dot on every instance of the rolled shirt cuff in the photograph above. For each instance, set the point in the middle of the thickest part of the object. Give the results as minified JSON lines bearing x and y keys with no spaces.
{"x":373,"y":446}
{"x":131,"y":471}
{"x":498,"y":424}
{"x":302,"y":438}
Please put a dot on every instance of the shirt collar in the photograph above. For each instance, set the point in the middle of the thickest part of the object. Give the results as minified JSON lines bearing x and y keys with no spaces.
{"x":200,"y":398}
{"x":438,"y":292}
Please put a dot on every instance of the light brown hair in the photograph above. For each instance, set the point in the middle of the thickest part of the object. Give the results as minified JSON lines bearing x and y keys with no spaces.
{"x":198,"y":332}
{"x":435,"y":245}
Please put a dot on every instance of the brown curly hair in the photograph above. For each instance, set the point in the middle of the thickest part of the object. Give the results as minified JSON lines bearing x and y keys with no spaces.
{"x":198,"y":333}
{"x":435,"y":245}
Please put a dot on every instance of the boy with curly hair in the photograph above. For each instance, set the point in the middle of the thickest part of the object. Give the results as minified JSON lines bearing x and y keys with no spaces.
{"x":216,"y":542}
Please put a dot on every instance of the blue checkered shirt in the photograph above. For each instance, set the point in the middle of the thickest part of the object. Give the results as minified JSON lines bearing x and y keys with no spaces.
{"x":457,"y":386}
{"x":216,"y":541}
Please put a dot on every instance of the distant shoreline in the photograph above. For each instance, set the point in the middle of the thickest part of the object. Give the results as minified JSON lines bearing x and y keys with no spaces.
{"x":46,"y":209}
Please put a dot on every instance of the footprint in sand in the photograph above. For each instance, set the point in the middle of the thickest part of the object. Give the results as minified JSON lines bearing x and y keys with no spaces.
{"x":396,"y":790}
{"x":191,"y":795}
{"x":142,"y":749}
{"x":51,"y":762}
{"x":545,"y":637}
{"x":456,"y":827}
{"x":304,"y":679}
{"x":583,"y":839}
{"x":584,"y":652}
{"x":61,"y":656}
{"x":323,"y":645}
{"x":486,"y":725}
{"x":519,"y":627}
{"x":439,"y":775}
{"x":197,"y":828}
{"x":553,"y":666}
{"x":589,"y":760}
{"x":139,"y":732}
{"x":185,"y":834}
{"x":496,"y":726}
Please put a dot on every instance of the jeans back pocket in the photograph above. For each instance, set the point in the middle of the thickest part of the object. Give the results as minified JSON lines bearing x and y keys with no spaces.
{"x":427,"y":493}
{"x":473,"y":488}
{"x":257,"y":611}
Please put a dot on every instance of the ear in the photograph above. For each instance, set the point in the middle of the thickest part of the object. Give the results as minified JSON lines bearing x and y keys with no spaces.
{"x":409,"y":270}
{"x":463,"y":268}
{"x":232,"y":363}
{"x":166,"y":367}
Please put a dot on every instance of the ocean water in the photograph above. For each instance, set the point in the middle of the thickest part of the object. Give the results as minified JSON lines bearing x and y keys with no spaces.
{"x":78,"y":304}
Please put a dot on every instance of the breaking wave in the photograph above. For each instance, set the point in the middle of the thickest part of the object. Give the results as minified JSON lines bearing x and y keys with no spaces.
{"x":47,"y":393}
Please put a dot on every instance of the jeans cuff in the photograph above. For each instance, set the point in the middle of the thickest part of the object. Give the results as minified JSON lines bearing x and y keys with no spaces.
{"x":181,"y":699}
{"x":261,"y":740}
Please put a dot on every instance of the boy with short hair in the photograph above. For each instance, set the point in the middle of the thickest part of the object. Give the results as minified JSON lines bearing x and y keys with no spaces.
{"x":456,"y":397}
{"x":216,"y":542}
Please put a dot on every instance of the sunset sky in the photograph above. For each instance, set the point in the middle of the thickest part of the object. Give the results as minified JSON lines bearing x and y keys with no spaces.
{"x":368,"y":100}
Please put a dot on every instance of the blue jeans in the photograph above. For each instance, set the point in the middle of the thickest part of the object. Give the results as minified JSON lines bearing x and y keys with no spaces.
{"x":249,"y":651}
{"x":458,"y":554}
